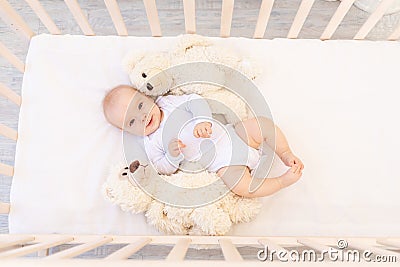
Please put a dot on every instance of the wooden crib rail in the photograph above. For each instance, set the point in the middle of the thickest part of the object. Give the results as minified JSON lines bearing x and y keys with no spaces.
{"x":337,"y":17}
{"x":115,"y":14}
{"x":373,"y":19}
{"x":17,"y":246}
{"x":226,"y":18}
{"x":8,"y":132}
{"x":300,"y":18}
{"x":190,"y":16}
{"x":43,"y":16}
{"x":125,"y":252}
{"x":13,"y":59}
{"x":19,"y":25}
{"x":6,"y":169}
{"x":4,"y":209}
{"x":263,"y":17}
{"x":10,"y":94}
{"x":11,"y":17}
{"x":79,"y":16}
{"x":153,"y":263}
{"x":152,"y":17}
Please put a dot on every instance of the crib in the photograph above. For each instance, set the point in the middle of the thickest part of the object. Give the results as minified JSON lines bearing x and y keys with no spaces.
{"x":39,"y":246}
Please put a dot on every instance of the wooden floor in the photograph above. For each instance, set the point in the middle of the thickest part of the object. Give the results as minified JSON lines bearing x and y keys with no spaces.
{"x":172,"y":23}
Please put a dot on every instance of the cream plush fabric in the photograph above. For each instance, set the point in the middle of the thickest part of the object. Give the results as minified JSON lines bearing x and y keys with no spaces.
{"x":336,"y":101}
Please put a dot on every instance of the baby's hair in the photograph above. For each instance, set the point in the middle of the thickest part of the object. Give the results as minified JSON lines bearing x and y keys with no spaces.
{"x":109,"y":98}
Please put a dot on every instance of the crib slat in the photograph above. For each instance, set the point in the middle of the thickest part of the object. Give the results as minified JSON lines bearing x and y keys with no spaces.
{"x":395,"y":35}
{"x":6,"y":169}
{"x":318,"y":247}
{"x":373,"y":19}
{"x":16,"y":241}
{"x":4,"y":209}
{"x":226,"y":17}
{"x":263,"y":17}
{"x":43,"y":16}
{"x":336,"y":19}
{"x":190,"y":15}
{"x":388,"y":242}
{"x":8,"y":132}
{"x":15,"y":21}
{"x":79,"y":16}
{"x":229,"y":250}
{"x":115,"y":13}
{"x":128,"y":250}
{"x":271,"y":245}
{"x":75,"y":251}
{"x":300,"y":18}
{"x":10,"y":94}
{"x":152,"y":17}
{"x":179,"y":251}
{"x":35,"y":248}
{"x":7,"y":54}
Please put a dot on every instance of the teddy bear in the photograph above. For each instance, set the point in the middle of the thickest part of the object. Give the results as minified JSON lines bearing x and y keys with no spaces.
{"x":151,"y":73}
{"x":122,"y":187}
{"x":158,"y":73}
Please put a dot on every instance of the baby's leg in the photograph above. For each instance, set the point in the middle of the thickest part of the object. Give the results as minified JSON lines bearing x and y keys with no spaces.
{"x":257,"y":130}
{"x":237,"y":178}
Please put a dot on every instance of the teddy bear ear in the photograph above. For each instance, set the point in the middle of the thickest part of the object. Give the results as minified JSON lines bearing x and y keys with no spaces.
{"x":131,"y":59}
{"x":186,"y":41}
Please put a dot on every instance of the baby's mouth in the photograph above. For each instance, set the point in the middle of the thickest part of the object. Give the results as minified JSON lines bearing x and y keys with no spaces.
{"x":150,"y":121}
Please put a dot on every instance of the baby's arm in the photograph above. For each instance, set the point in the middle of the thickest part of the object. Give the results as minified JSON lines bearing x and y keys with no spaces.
{"x":198,"y":106}
{"x":200,"y":109}
{"x":165,"y":162}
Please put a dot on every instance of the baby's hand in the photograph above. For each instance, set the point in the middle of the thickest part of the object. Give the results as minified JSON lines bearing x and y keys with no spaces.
{"x":290,"y":160}
{"x":203,"y":129}
{"x":175,"y":146}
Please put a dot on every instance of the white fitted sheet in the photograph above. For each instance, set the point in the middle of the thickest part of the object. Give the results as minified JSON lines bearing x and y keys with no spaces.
{"x":336,"y":102}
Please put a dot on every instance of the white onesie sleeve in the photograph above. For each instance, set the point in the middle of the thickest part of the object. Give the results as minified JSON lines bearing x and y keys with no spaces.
{"x":194,"y":104}
{"x":163,"y":161}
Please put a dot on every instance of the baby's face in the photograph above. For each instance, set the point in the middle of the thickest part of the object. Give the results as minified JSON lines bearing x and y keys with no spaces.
{"x":142,"y":116}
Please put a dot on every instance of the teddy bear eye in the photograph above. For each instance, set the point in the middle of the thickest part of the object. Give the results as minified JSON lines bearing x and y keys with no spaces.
{"x":144,"y":75}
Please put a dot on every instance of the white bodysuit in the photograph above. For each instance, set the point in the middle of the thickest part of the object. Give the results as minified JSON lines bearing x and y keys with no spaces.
{"x":181,"y":113}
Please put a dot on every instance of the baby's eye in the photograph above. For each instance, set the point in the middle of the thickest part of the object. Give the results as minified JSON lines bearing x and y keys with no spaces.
{"x":140,"y":105}
{"x":144,"y":75}
{"x":131,"y":122}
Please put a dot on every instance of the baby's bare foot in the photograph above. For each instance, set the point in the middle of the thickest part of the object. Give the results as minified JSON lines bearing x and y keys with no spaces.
{"x":290,"y":177}
{"x":289,"y":159}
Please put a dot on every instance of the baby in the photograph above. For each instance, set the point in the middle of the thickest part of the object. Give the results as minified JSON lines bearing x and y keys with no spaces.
{"x":236,"y":147}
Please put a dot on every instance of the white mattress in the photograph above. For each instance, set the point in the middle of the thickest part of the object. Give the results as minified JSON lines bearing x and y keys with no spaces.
{"x":336,"y":101}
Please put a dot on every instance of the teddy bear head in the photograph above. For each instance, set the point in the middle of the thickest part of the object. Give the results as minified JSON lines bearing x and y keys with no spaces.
{"x":126,"y":172}
{"x":147,"y":72}
{"x":136,"y":173}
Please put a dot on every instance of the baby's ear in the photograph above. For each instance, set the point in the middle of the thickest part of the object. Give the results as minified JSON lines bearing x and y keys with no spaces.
{"x":131,"y":59}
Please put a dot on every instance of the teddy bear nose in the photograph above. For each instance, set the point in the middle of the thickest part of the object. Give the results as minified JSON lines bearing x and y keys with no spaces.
{"x":149,"y":86}
{"x":134,"y":165}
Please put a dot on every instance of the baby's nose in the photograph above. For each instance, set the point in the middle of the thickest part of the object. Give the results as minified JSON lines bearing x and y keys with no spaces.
{"x":144,"y":117}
